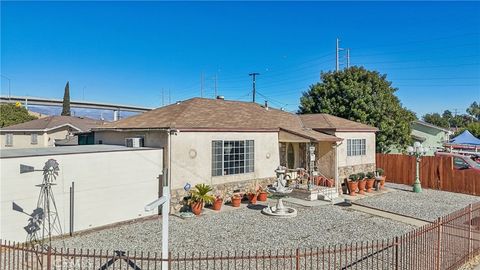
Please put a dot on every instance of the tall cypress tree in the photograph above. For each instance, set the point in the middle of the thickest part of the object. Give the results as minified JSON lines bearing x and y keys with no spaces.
{"x":66,"y":101}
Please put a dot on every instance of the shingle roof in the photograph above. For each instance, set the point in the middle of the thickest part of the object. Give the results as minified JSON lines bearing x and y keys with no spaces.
{"x":51,"y":122}
{"x":323,"y":121}
{"x":423,"y":123}
{"x":202,"y":113}
{"x":219,"y":114}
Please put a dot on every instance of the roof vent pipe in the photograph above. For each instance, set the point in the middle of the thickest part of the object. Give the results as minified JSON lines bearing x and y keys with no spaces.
{"x":221,"y":97}
{"x":266,"y":104}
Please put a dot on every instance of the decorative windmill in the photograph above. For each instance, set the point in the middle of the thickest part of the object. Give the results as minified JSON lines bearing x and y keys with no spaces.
{"x":44,"y":221}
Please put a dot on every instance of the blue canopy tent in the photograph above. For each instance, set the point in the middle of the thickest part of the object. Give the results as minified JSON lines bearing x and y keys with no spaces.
{"x":465,"y":138}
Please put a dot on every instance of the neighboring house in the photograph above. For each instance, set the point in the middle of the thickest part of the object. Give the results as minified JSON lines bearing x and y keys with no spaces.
{"x":230,"y":143}
{"x":45,"y":132}
{"x":430,"y":136}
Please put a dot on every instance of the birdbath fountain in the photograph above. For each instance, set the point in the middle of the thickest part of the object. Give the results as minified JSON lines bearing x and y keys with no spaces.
{"x":280,"y":190}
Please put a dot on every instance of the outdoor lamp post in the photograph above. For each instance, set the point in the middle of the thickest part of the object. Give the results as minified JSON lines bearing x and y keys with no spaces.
{"x":417,"y":150}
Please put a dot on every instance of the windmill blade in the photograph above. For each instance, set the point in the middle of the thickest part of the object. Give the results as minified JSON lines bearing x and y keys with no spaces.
{"x":17,"y":207}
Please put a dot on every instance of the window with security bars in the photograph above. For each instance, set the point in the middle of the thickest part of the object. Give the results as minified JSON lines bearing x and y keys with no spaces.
{"x":232,"y":157}
{"x":356,"y":147}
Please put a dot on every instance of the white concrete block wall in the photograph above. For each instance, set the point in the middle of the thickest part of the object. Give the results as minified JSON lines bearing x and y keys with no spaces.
{"x":109,"y":187}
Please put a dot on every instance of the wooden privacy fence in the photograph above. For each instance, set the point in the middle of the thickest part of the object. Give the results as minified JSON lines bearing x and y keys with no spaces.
{"x":435,"y":173}
{"x":446,"y":243}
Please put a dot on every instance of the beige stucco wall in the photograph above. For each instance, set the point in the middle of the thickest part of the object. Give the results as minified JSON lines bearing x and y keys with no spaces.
{"x":157,"y":139}
{"x":192,"y":153}
{"x":369,"y":157}
{"x":109,"y":187}
{"x":44,"y":139}
{"x":192,"y":157}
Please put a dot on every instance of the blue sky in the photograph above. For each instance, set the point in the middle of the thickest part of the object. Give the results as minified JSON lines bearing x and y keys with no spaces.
{"x":127,"y":52}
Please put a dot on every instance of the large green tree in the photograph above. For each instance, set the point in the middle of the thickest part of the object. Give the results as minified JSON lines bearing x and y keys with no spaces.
{"x":66,"y":100}
{"x":437,"y":119}
{"x":474,"y":110}
{"x":11,"y":114}
{"x":364,"y":96}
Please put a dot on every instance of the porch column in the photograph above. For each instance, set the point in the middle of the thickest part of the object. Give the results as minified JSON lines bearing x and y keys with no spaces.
{"x":335,"y":146}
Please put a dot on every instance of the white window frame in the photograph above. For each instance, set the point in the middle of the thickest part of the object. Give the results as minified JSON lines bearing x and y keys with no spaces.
{"x":9,"y":139}
{"x":356,"y":147}
{"x":34,"y":138}
{"x":218,"y":157}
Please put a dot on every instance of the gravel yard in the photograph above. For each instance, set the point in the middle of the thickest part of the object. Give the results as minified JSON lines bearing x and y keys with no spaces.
{"x":428,"y":205}
{"x":246,"y":229}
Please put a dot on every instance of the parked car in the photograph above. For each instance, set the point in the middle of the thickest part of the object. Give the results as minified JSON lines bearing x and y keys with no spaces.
{"x":461,"y":162}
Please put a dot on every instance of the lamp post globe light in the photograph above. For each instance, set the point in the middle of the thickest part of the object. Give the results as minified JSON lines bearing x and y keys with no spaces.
{"x":417,"y":150}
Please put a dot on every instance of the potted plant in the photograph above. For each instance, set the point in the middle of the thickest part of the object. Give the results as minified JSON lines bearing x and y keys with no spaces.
{"x":381,"y":177}
{"x":262,"y":195}
{"x":370,"y":181}
{"x":218,"y":202}
{"x":199,"y":197}
{"x":361,"y":182}
{"x":352,"y":184}
{"x":252,"y":197}
{"x":236,"y":199}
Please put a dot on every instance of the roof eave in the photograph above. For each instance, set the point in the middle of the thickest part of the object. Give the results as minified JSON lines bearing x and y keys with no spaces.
{"x":332,"y":139}
{"x":347,"y":129}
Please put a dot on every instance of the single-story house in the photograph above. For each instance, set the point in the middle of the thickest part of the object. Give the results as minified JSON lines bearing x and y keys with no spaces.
{"x":231,"y":143}
{"x":45,"y":132}
{"x":430,"y":136}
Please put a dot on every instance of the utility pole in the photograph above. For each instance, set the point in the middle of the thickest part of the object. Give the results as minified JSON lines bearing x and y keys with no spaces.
{"x":9,"y":89}
{"x":337,"y":49}
{"x":201,"y":84}
{"x":254,"y":74}
{"x":337,"y":55}
{"x":348,"y":58}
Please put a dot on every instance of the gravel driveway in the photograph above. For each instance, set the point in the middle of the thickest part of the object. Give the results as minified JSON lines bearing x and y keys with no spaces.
{"x":246,"y":229}
{"x":428,"y":205}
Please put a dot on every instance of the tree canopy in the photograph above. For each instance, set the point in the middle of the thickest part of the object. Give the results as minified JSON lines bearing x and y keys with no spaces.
{"x":437,"y":119}
{"x":474,"y":110}
{"x":11,"y":114}
{"x":66,"y":100}
{"x":364,"y":96}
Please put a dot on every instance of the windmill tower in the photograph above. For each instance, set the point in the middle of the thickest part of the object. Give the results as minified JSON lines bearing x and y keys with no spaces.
{"x":44,"y":220}
{"x":46,"y":201}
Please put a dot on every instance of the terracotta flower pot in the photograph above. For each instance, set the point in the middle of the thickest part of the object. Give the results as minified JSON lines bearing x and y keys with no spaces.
{"x":197,"y":208}
{"x":370,"y":183}
{"x":262,"y":196}
{"x":217,"y":204}
{"x":361,"y":186}
{"x":352,"y":187}
{"x":382,"y":181}
{"x":236,"y":200}
{"x":252,"y":198}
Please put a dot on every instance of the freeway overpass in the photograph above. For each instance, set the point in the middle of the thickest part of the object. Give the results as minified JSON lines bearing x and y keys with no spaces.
{"x":116,"y":108}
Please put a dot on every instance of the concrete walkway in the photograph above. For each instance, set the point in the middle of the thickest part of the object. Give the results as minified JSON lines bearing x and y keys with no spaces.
{"x":392,"y":216}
